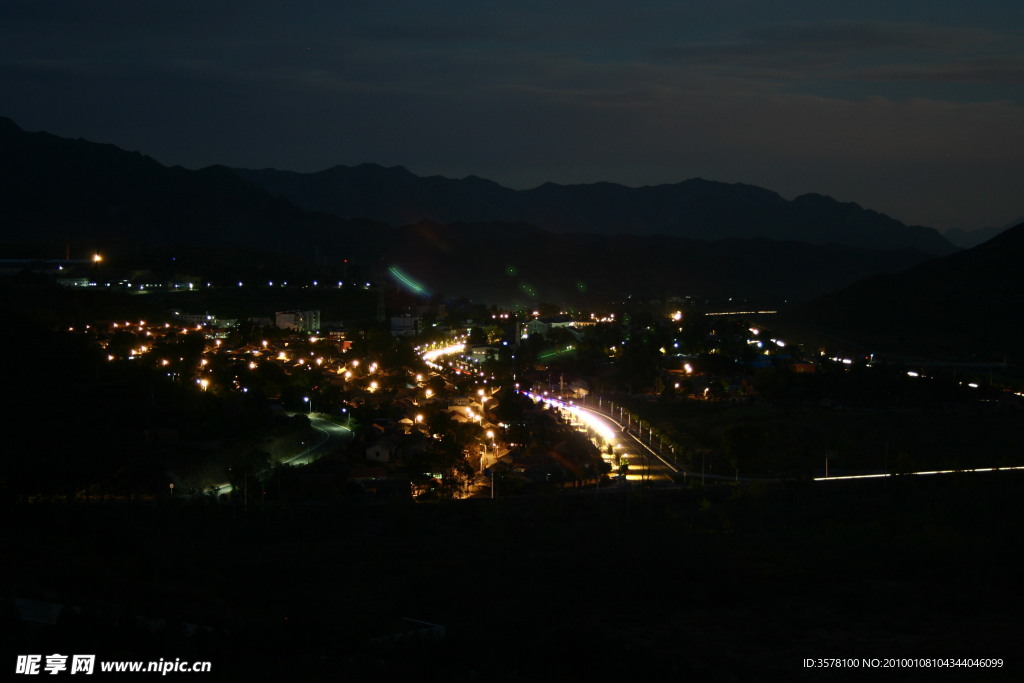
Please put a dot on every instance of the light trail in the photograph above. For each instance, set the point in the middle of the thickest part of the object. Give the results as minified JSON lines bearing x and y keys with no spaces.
{"x":880,"y":476}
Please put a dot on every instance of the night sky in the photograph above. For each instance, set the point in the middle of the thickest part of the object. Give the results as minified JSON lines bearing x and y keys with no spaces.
{"x":910,"y":108}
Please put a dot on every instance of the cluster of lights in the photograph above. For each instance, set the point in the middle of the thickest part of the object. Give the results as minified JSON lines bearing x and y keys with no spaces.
{"x":744,"y":313}
{"x":453,"y":349}
{"x":431,"y":356}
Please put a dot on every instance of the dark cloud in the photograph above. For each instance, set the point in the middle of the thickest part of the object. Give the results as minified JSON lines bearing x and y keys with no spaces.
{"x":811,"y":46}
{"x":1008,"y":71}
{"x":845,"y":37}
{"x":797,"y":97}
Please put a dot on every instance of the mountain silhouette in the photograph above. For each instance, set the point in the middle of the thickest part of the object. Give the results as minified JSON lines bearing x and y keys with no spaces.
{"x":56,"y":192}
{"x":692,"y":209}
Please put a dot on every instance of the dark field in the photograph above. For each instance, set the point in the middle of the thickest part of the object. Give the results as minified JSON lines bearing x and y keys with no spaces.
{"x":724,"y":583}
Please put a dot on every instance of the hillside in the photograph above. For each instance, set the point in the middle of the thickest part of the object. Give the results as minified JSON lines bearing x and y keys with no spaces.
{"x":54,"y":190}
{"x":968,"y":303}
{"x":518,"y":263}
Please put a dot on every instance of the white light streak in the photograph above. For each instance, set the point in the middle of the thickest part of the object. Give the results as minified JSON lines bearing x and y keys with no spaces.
{"x":879,"y":476}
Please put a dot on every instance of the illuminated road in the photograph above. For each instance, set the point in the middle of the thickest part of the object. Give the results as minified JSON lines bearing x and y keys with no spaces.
{"x":641,"y":452}
{"x":665,"y":469}
{"x":645,"y":467}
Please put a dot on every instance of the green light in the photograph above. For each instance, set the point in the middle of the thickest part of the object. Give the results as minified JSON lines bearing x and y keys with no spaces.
{"x":406,"y":280}
{"x":555,"y":352}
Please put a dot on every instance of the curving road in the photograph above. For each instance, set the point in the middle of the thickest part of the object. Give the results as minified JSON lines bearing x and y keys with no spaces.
{"x":331,"y":436}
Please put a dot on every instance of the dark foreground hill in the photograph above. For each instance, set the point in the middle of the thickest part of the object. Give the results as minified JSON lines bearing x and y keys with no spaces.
{"x":714,"y":584}
{"x":968,"y":303}
{"x":693,"y":209}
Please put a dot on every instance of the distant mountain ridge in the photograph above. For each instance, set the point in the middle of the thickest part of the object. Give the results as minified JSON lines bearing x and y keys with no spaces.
{"x":972,"y":238}
{"x":692,"y":209}
{"x":56,"y":191}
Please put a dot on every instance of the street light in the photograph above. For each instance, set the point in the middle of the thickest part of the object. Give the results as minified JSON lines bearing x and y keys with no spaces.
{"x":306,"y":399}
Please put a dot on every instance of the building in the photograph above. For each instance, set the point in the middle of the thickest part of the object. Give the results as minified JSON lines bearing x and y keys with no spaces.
{"x":382,"y":451}
{"x":302,"y":321}
{"x":405,"y":325}
{"x":543,"y":326}
{"x":482,"y":354}
{"x":203,"y":319}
